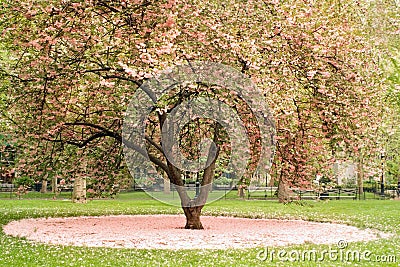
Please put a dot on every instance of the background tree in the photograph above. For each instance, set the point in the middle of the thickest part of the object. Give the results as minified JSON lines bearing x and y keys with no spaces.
{"x":381,"y":24}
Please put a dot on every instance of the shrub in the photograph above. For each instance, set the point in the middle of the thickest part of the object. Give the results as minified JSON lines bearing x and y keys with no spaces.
{"x":24,"y":181}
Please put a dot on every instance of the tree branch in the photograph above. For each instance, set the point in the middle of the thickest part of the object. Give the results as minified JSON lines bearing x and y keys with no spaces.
{"x":105,"y":132}
{"x":157,"y":146}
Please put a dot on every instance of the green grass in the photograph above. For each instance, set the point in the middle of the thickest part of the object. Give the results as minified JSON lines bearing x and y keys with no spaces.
{"x":378,"y":214}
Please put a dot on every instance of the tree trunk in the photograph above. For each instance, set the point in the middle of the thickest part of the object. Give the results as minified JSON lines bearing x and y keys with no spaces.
{"x":283,"y":192}
{"x":54,"y":185}
{"x":241,"y":191}
{"x":79,"y":192}
{"x":192,"y":207}
{"x":193,"y":217}
{"x":360,"y":179}
{"x":44,"y":186}
{"x":167,"y":186}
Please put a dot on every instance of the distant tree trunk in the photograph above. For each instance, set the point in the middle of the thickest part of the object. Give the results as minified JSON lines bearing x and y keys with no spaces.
{"x":398,"y":187}
{"x":283,"y":192}
{"x":54,"y":185}
{"x":79,"y":192}
{"x":241,"y":191}
{"x":271,"y":180}
{"x":360,"y":178}
{"x":167,"y":186}
{"x":273,"y":177}
{"x":44,"y":186}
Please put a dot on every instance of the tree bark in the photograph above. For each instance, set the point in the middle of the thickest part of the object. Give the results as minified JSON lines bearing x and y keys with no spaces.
{"x":241,"y":191}
{"x":283,"y":192}
{"x":79,"y":192}
{"x":54,"y":185}
{"x":44,"y":186}
{"x":193,"y":217}
{"x":360,"y":178}
{"x":167,"y":186}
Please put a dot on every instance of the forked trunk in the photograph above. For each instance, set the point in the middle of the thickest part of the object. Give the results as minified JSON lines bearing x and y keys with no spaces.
{"x":192,"y":207}
{"x":193,"y":217}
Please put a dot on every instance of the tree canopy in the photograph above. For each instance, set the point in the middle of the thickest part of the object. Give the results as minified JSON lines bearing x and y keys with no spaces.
{"x":73,"y":67}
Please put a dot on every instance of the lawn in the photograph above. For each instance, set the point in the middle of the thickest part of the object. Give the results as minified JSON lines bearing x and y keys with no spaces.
{"x":379,"y":214}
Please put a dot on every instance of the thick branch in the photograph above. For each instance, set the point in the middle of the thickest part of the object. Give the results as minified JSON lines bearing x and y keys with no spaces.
{"x":105,"y":132}
{"x":151,"y":141}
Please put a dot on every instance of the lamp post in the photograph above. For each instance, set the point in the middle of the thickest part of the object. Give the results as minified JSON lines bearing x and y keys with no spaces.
{"x":382,"y":174}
